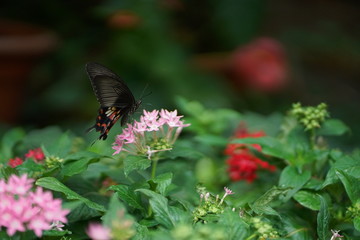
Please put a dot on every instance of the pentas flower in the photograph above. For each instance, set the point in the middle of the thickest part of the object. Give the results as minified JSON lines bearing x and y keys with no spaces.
{"x":156,"y":131}
{"x":36,"y":154}
{"x":243,"y":164}
{"x":96,"y":231}
{"x":14,"y":162}
{"x":22,"y":209}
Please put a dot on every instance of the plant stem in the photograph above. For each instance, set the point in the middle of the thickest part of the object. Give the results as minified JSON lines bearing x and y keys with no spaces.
{"x":153,"y":175}
{"x":312,"y":138}
{"x":153,"y":168}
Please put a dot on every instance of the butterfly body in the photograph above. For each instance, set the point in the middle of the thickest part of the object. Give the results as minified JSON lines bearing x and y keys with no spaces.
{"x":115,"y":98}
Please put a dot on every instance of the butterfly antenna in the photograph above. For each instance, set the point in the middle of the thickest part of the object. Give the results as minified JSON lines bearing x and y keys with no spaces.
{"x":142,"y":94}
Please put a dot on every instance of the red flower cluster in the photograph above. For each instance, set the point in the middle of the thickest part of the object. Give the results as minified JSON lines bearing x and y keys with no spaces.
{"x":36,"y":154}
{"x":261,"y":65}
{"x":242,"y":163}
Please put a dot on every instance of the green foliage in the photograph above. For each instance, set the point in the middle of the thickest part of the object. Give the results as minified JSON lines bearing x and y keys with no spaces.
{"x":314,"y":190}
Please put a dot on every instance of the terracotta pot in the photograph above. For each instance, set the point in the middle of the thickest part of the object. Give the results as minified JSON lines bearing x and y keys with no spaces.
{"x":21,"y":46}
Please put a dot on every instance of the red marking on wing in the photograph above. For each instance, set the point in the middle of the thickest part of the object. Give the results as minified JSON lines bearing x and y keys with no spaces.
{"x":104,"y":123}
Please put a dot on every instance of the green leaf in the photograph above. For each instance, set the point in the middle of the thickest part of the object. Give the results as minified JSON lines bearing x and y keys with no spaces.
{"x":270,"y":146}
{"x":51,"y":139}
{"x":351,"y":184}
{"x":132,"y":163}
{"x":142,"y":232}
{"x":159,"y":205}
{"x":261,"y":205}
{"x":323,"y":219}
{"x":9,"y":140}
{"x":162,"y":182}
{"x":54,"y":184}
{"x":308,"y":199}
{"x":82,"y":160}
{"x":128,"y":195}
{"x":55,"y":233}
{"x":115,"y":208}
{"x":75,"y":167}
{"x":291,"y":178}
{"x":296,"y":228}
{"x":345,"y":163}
{"x":29,"y":166}
{"x":357,"y":223}
{"x":235,"y":226}
{"x":5,"y":172}
{"x":333,"y":127}
{"x":79,"y":211}
{"x":60,"y":147}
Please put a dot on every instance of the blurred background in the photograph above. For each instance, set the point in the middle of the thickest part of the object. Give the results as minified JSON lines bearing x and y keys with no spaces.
{"x":248,"y":55}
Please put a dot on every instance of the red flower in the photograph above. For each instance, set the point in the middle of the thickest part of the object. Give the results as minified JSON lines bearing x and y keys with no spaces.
{"x":37,"y":154}
{"x":15,"y":162}
{"x":242,"y":163}
{"x":261,"y":65}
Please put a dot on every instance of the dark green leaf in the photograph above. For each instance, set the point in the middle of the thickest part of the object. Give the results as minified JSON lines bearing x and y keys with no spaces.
{"x":323,"y":219}
{"x":128,"y":195}
{"x":75,"y":167}
{"x":82,"y":160}
{"x":333,"y":127}
{"x":308,"y":199}
{"x":159,"y":205}
{"x":55,"y":233}
{"x":142,"y":232}
{"x":5,"y":172}
{"x":345,"y":163}
{"x":351,"y":184}
{"x":132,"y":163}
{"x":262,"y":204}
{"x":54,"y":184}
{"x":162,"y":182}
{"x":30,"y":166}
{"x":234,"y":225}
{"x":296,"y":228}
{"x":291,"y":178}
{"x":79,"y":211}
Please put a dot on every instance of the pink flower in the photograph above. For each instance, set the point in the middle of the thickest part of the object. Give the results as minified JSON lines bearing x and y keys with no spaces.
{"x":150,"y":116}
{"x":14,"y":162}
{"x":228,"y":191}
{"x":19,"y":185}
{"x":39,"y":224}
{"x":21,"y":209}
{"x":154,"y":127}
{"x":97,"y":231}
{"x":37,"y":154}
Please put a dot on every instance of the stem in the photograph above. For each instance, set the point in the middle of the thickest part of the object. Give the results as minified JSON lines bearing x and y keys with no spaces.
{"x":312,"y":138}
{"x":153,"y":175}
{"x":153,"y":168}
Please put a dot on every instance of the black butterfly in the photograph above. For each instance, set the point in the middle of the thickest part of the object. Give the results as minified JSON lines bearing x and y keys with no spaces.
{"x":115,"y":98}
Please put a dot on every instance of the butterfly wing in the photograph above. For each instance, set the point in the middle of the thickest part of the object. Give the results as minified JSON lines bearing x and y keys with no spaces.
{"x":109,"y":89}
{"x":115,"y":98}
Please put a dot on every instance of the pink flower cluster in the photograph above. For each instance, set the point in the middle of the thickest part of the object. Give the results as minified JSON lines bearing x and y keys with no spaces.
{"x":96,"y":231}
{"x":22,"y":209}
{"x":154,"y":127}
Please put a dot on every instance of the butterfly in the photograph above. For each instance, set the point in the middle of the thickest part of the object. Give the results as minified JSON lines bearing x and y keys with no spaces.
{"x":115,"y":98}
